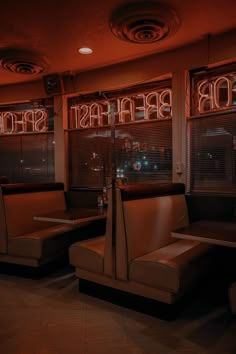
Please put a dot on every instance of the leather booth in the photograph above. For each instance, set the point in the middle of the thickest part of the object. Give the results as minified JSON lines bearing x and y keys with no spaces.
{"x":26,"y":241}
{"x":139,"y":255}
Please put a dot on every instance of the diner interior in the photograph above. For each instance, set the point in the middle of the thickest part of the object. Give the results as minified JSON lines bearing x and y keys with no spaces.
{"x":118,"y":177}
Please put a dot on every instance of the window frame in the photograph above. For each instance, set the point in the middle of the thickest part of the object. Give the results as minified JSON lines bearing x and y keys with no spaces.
{"x":213,"y":74}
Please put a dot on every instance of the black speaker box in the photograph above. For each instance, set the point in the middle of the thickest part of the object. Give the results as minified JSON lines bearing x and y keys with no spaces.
{"x":52,"y":84}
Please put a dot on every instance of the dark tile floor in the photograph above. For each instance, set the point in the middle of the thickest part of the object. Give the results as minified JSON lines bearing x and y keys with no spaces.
{"x":48,"y":315}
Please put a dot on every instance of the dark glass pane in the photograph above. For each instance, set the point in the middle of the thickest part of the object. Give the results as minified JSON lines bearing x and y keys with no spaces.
{"x":144,"y":152}
{"x":89,"y":157}
{"x":212,"y":152}
{"x":27,"y":158}
{"x":10,"y":158}
{"x":37,"y":162}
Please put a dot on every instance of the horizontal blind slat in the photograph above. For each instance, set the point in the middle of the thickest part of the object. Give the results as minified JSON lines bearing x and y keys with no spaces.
{"x":212,"y":153}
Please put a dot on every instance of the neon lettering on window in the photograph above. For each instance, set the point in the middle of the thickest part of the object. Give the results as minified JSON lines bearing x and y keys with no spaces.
{"x":216,"y":94}
{"x":25,"y":121}
{"x":137,"y":108}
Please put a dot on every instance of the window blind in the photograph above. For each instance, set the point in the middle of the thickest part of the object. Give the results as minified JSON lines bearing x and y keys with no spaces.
{"x":143,"y":152}
{"x":212,"y":153}
{"x":89,"y":157}
{"x":27,"y":158}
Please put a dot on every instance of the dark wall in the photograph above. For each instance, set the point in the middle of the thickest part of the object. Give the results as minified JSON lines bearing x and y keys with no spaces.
{"x":82,"y":198}
{"x":210,"y":207}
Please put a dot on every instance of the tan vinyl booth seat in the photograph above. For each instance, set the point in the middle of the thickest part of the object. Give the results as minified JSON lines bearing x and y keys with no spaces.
{"x":89,"y":254}
{"x":232,"y":297}
{"x":144,"y":260}
{"x":94,"y":256}
{"x":24,"y":240}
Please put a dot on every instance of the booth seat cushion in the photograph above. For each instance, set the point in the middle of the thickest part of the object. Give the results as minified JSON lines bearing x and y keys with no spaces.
{"x":42,"y":243}
{"x":88,"y":254}
{"x":232,"y":297}
{"x":20,"y":209}
{"x":149,"y":222}
{"x":171,"y":268}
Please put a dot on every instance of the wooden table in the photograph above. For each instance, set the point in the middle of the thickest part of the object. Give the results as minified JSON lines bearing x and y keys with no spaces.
{"x":73,"y":216}
{"x":217,"y":232}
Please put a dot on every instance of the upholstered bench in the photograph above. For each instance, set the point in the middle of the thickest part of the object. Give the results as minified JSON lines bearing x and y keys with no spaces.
{"x":89,"y":254}
{"x":143,"y":258}
{"x":26,"y":241}
{"x":178,"y":266}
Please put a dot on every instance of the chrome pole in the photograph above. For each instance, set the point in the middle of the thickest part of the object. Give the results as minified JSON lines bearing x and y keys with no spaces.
{"x":113,"y":173}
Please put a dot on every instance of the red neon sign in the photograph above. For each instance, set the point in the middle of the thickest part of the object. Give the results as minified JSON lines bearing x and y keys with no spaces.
{"x":216,"y":94}
{"x":133,"y":109}
{"x":25,"y":121}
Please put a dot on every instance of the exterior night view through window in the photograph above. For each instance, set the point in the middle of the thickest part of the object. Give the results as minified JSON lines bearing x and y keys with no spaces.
{"x":142,"y":146}
{"x":27,"y":142}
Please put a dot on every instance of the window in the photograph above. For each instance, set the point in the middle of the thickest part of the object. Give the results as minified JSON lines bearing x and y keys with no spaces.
{"x":143,"y":152}
{"x":142,"y":146}
{"x":90,"y":157}
{"x":27,"y":158}
{"x":212,"y":132}
{"x":27,"y":142}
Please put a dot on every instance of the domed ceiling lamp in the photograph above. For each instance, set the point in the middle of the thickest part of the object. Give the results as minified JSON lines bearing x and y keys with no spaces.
{"x":21,"y":62}
{"x":144,"y":22}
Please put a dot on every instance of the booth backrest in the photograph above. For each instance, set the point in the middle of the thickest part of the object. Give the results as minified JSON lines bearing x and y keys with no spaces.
{"x":146,"y":215}
{"x":4,"y":180}
{"x":20,"y":202}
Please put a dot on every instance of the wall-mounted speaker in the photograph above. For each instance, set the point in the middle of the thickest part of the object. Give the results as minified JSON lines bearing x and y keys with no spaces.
{"x":52,"y":84}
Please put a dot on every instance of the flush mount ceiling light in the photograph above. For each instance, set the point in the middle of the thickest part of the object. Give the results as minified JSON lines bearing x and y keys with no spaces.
{"x":85,"y":50}
{"x":144,"y":22}
{"x":21,"y":62}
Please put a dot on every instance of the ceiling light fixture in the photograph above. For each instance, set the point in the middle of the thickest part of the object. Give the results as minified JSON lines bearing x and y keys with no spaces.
{"x":85,"y":50}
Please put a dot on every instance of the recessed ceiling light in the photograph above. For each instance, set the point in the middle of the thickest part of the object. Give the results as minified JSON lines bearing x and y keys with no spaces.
{"x":85,"y":50}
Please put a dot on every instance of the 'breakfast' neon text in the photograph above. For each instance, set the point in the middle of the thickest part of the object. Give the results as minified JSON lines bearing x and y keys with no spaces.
{"x":137,"y":108}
